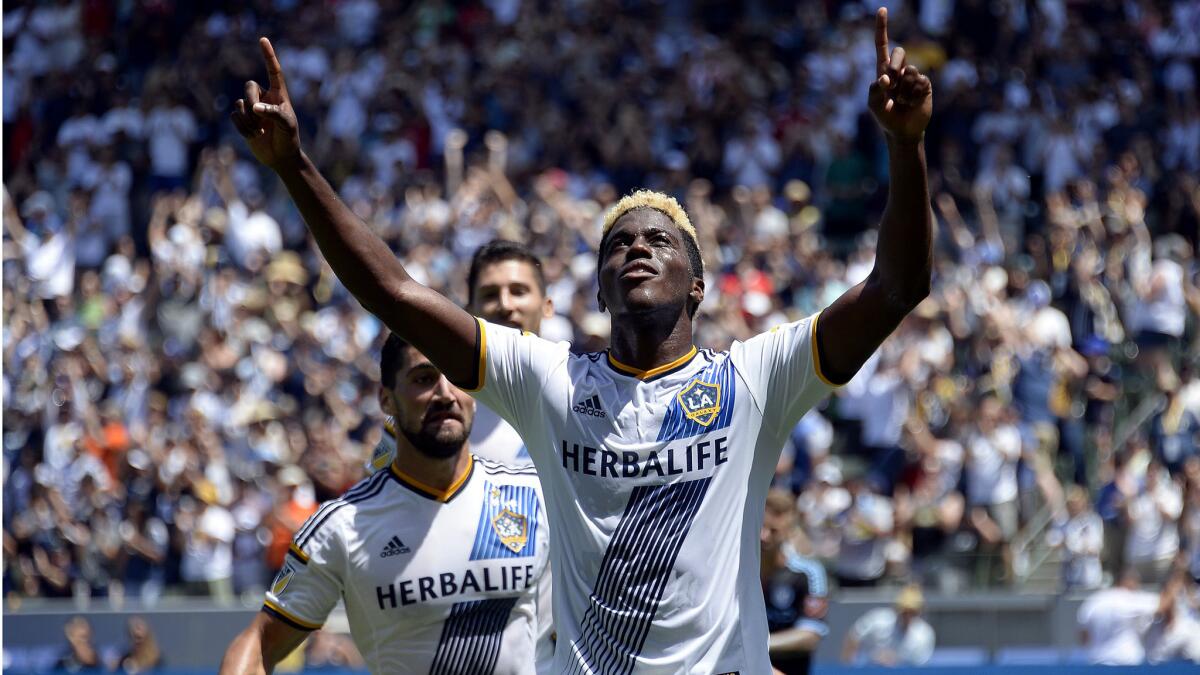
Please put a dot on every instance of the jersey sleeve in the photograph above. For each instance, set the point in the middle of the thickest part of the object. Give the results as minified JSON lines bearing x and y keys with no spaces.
{"x":513,"y":369}
{"x":783,"y":371}
{"x":816,"y":605}
{"x":309,"y":584}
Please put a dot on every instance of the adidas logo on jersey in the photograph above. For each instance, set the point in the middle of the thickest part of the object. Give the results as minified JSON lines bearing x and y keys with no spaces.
{"x":394,"y":547}
{"x":590,"y":406}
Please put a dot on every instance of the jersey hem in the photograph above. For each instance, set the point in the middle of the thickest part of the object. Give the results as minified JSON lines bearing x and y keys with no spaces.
{"x":281,"y":614}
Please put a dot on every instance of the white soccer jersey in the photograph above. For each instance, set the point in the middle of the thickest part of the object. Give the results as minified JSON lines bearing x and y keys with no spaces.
{"x":655,"y":482}
{"x":491,"y":438}
{"x":433,"y":582}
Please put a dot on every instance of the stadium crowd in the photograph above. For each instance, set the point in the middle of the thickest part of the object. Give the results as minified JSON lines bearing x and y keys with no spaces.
{"x":185,"y":379}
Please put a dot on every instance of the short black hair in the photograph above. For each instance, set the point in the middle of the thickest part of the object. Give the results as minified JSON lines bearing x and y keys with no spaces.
{"x":391,"y":359}
{"x":689,"y":245}
{"x":499,"y":251}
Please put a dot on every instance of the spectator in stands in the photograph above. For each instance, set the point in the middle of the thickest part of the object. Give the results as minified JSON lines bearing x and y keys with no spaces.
{"x":1110,"y":506}
{"x":80,"y":655}
{"x":866,"y":527}
{"x":795,"y":588}
{"x":1175,"y":634}
{"x":1152,"y":514}
{"x":892,"y":636}
{"x":1080,"y":535}
{"x":930,"y":508}
{"x":1189,"y":522}
{"x":820,"y":505}
{"x":1174,"y":428}
{"x":993,"y":450}
{"x":207,"y":564}
{"x":142,"y":654}
{"x":289,"y":514}
{"x":1113,"y":621}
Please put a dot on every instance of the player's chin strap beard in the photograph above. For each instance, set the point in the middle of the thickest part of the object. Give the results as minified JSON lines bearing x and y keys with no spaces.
{"x":429,"y":444}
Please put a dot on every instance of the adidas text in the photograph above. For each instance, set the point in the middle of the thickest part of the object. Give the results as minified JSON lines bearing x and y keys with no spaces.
{"x":590,"y":406}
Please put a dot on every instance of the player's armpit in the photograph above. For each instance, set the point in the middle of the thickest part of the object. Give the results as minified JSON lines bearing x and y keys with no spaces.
{"x":265,"y":642}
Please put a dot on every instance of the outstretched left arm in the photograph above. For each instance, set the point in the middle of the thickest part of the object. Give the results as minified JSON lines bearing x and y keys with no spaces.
{"x":854,"y":326}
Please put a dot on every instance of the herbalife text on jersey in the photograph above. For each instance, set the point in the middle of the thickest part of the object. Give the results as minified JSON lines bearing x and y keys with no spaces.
{"x":607,"y":463}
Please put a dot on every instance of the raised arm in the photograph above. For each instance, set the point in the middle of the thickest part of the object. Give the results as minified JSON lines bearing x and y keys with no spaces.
{"x":853,"y":327}
{"x":362,"y":261}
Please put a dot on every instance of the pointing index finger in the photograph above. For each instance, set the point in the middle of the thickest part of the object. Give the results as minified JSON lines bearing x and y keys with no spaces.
{"x":881,"y":41}
{"x":274,"y":70}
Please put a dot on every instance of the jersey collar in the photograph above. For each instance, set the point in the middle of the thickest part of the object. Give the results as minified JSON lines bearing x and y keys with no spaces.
{"x":653,"y":373}
{"x":433,"y":493}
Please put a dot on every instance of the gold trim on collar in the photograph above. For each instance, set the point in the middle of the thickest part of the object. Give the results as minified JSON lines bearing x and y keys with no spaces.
{"x":645,"y":374}
{"x":434,"y":493}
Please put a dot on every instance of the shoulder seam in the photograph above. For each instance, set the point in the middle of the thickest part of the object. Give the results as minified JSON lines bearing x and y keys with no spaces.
{"x":499,"y":467}
{"x":337,"y":504}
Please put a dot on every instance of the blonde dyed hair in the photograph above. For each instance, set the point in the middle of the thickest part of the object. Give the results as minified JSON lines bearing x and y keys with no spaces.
{"x":651,"y":199}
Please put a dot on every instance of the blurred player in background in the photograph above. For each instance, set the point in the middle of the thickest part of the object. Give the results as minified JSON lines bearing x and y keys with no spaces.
{"x":440,"y":559}
{"x":795,"y":587}
{"x":506,"y":286}
{"x":653,"y":573}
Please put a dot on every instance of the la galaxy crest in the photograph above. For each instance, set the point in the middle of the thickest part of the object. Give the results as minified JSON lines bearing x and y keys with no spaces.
{"x":511,"y":527}
{"x":701,"y":401}
{"x":283,"y":578}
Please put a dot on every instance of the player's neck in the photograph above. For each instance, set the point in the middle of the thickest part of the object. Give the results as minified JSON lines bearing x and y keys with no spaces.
{"x":647,"y":345}
{"x":438,"y":473}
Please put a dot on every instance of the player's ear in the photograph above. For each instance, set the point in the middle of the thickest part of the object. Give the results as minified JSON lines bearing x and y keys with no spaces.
{"x":386,"y":402}
{"x":697,"y":292}
{"x":547,"y":308}
{"x":600,"y":302}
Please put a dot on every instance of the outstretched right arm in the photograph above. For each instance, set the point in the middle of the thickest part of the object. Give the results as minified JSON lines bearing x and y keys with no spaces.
{"x":433,"y":324}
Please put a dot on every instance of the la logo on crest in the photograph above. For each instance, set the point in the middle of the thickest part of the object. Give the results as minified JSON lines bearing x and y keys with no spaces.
{"x":701,"y":401}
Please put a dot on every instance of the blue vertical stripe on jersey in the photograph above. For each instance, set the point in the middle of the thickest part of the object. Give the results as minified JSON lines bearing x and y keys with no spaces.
{"x":525,"y":502}
{"x":634,"y":574}
{"x":471,"y":637}
{"x":676,"y":425}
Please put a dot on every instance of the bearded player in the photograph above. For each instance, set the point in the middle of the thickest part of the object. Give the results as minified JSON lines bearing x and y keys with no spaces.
{"x":656,"y":491}
{"x":440,"y":559}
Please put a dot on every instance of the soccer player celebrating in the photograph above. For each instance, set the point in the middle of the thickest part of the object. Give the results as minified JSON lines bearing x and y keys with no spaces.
{"x":440,"y":559}
{"x":506,"y":286}
{"x":655,"y":456}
